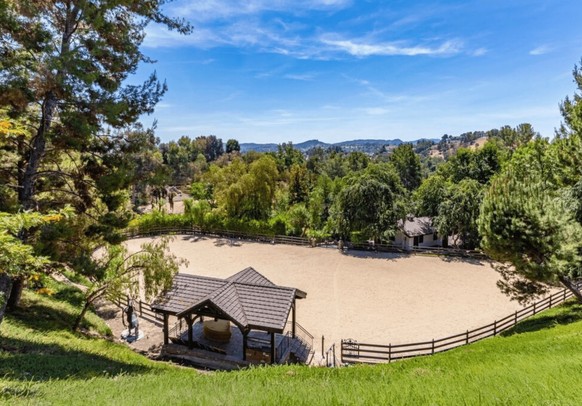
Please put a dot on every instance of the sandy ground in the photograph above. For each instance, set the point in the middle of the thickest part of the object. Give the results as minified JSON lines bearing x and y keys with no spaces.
{"x":373,"y":298}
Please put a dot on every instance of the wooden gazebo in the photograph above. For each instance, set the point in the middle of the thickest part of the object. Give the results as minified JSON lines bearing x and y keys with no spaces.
{"x":247,"y":299}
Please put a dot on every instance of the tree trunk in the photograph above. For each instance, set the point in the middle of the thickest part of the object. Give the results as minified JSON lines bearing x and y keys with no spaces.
{"x":81,"y":316}
{"x":567,"y":282}
{"x":5,"y":289}
{"x":34,"y":158}
{"x":15,"y":293}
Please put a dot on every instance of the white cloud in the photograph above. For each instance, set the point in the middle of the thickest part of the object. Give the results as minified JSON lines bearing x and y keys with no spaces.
{"x":541,"y":50}
{"x":363,"y":49}
{"x":303,"y":77}
{"x":479,"y":52}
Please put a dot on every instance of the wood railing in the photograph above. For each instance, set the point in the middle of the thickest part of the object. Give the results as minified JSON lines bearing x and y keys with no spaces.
{"x":138,"y":232}
{"x":330,"y":358}
{"x":143,"y":309}
{"x":353,"y":351}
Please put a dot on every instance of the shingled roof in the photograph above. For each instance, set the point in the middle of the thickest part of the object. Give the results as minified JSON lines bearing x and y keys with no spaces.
{"x":415,"y":226}
{"x":247,"y":298}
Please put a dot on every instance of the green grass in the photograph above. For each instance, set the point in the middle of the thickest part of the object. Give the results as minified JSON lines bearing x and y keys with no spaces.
{"x":42,"y":362}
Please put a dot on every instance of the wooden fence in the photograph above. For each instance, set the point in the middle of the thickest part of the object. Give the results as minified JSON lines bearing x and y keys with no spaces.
{"x":143,"y":309}
{"x":291,"y":240}
{"x":353,"y":351}
{"x":235,"y":235}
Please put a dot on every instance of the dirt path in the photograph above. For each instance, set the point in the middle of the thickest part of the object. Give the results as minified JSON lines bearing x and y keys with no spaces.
{"x":373,"y":298}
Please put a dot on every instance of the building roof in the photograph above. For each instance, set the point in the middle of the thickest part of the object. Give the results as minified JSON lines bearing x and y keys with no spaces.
{"x":415,"y":226}
{"x":247,"y":298}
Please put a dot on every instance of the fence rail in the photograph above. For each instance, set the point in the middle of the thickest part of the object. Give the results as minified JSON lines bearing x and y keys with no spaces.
{"x":330,"y":358}
{"x":353,"y":351}
{"x":143,"y":309}
{"x":292,"y":240}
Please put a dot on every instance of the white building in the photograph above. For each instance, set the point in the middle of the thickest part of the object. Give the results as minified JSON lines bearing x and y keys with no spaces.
{"x":416,"y":232}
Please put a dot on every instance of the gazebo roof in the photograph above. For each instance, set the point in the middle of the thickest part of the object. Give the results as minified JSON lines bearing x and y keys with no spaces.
{"x":247,"y":298}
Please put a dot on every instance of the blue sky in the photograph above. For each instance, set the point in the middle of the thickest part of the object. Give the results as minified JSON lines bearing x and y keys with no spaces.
{"x":282,"y":70}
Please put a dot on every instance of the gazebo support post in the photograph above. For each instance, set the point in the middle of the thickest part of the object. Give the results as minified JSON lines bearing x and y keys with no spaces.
{"x":190,"y":322}
{"x":272,"y":348}
{"x":293,"y":316}
{"x":166,"y":331}
{"x":244,"y":342}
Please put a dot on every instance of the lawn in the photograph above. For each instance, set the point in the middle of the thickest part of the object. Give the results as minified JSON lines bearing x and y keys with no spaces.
{"x":42,"y":362}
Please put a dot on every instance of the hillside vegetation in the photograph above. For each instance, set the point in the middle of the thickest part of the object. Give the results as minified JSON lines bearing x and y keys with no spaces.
{"x":42,"y":362}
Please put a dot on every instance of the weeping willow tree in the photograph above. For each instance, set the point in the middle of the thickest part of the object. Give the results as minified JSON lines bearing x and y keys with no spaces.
{"x":144,"y":273}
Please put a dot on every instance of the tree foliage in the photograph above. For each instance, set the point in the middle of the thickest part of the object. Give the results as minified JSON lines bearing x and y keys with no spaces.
{"x":530,"y":219}
{"x":370,"y":202}
{"x":407,"y":165}
{"x":458,"y":213}
{"x":145,"y":273}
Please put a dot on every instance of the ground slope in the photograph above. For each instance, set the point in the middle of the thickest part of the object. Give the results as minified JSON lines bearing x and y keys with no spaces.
{"x":41,"y":362}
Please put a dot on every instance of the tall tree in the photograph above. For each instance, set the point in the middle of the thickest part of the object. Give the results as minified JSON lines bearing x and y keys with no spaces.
{"x":298,"y":184}
{"x":529,"y":224}
{"x":407,"y":164}
{"x":370,"y":203}
{"x":458,"y":213}
{"x":531,"y":216}
{"x":64,"y":66}
{"x":232,"y":145}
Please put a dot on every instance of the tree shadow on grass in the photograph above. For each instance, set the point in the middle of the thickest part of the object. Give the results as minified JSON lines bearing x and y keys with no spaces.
{"x":25,"y":360}
{"x":34,"y":314}
{"x":568,"y":312}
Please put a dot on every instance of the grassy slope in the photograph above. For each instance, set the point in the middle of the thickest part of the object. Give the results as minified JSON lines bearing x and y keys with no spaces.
{"x":41,"y":362}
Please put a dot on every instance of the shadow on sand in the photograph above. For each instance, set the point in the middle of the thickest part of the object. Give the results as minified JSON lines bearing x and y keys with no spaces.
{"x":229,"y":242}
{"x":390,"y":256}
{"x":194,"y":238}
{"x":466,"y":260}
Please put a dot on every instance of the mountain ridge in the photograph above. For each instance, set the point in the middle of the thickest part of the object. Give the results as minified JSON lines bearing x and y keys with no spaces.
{"x":362,"y":145}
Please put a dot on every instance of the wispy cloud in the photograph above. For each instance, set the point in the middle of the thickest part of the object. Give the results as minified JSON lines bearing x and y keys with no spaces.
{"x":479,"y":52}
{"x":362,"y":49}
{"x":307,"y":77}
{"x":250,"y":25}
{"x":375,"y":111}
{"x":541,"y":50}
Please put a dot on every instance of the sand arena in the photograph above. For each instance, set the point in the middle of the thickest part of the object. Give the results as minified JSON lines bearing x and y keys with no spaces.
{"x":377,"y":298}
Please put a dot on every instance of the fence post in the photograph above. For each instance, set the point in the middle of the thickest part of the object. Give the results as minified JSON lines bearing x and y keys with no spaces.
{"x":140,"y":311}
{"x":550,"y":301}
{"x":467,"y":337}
{"x":564,"y":295}
{"x":515,"y":319}
{"x":433,"y":346}
{"x":495,"y":328}
{"x":534,"y":308}
{"x":322,"y":346}
{"x":333,"y":346}
{"x":389,"y":352}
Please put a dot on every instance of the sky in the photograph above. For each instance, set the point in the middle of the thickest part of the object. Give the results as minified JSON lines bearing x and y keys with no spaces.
{"x":335,"y":70}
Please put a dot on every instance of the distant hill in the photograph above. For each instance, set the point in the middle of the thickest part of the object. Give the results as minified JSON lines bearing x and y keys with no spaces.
{"x":369,"y":146}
